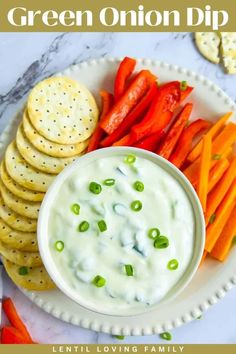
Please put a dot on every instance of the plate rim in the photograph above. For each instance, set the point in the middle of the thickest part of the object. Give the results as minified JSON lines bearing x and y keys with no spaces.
{"x":143,"y":329}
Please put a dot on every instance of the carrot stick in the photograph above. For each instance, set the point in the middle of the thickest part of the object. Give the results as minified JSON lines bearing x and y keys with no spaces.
{"x":217,"y":173}
{"x":107,"y":102}
{"x":183,"y":146}
{"x":191,"y":172}
{"x":223,"y":245}
{"x":194,"y":154}
{"x":217,"y":194}
{"x":205,"y":164}
{"x":15,"y":319}
{"x":205,"y":253}
{"x":221,"y":216}
{"x":123,"y":141}
{"x":225,"y":139}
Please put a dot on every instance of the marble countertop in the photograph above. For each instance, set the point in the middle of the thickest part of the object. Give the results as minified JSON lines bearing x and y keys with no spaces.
{"x":28,"y":57}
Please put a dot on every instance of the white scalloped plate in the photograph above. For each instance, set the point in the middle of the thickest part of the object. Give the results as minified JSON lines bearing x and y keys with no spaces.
{"x":212,"y":280}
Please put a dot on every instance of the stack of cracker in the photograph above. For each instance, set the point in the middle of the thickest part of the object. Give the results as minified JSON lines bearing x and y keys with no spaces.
{"x":58,"y":120}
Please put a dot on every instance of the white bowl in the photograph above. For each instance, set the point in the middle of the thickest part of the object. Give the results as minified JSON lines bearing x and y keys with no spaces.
{"x":43,"y":237}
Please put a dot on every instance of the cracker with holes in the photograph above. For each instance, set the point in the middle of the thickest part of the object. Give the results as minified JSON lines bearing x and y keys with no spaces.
{"x":48,"y":147}
{"x":37,"y":159}
{"x":20,"y":206}
{"x":23,"y":173}
{"x":62,"y":110}
{"x":33,"y":278}
{"x":24,"y":241}
{"x":17,"y":189}
{"x":208,"y":44}
{"x":16,"y":221}
{"x":22,"y":258}
{"x":228,"y":51}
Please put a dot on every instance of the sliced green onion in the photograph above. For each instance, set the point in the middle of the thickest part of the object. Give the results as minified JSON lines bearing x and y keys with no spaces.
{"x":130,"y":159}
{"x":138,"y":186}
{"x":199,"y":317}
{"x":173,"y":264}
{"x":95,"y":188}
{"x":183,"y":85}
{"x":129,"y":270}
{"x":166,"y":336}
{"x":216,"y":157}
{"x":23,"y":271}
{"x":83,"y":226}
{"x":75,"y":208}
{"x":109,"y":182}
{"x":234,"y":240}
{"x":99,"y":281}
{"x":153,"y":233}
{"x":120,"y":337}
{"x":59,"y":245}
{"x":136,"y":205}
{"x":212,"y":218}
{"x":102,"y":225}
{"x":161,"y":242}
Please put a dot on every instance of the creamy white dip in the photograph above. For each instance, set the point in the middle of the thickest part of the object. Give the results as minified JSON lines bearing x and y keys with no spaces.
{"x":132,"y":271}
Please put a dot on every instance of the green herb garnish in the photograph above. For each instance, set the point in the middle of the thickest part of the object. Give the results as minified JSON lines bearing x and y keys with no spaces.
{"x":138,"y":186}
{"x":166,"y":336}
{"x":161,"y":242}
{"x":59,"y":245}
{"x":102,"y":225}
{"x":99,"y":281}
{"x":130,"y":159}
{"x":75,"y":208}
{"x":212,"y":218}
{"x":109,"y":182}
{"x":173,"y":264}
{"x":95,"y":188}
{"x":153,"y":233}
{"x":83,"y":226}
{"x":129,"y":270}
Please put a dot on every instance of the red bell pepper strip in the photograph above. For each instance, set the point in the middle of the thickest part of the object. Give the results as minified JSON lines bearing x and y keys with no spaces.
{"x":168,"y":145}
{"x":184,"y":94}
{"x":167,"y":99}
{"x":127,"y":101}
{"x":132,"y":117}
{"x":184,"y":145}
{"x":14,"y":318}
{"x":124,"y":72}
{"x":166,"y":117}
{"x":151,"y":142}
{"x":107,"y":102}
{"x":11,"y":335}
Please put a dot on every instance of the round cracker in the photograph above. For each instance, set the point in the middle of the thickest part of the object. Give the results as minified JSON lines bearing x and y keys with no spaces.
{"x":20,"y":206}
{"x":38,"y":159}
{"x":22,"y":258}
{"x":24,"y":241}
{"x":17,"y":189}
{"x":23,"y":173}
{"x":37,"y":278}
{"x":208,"y":44}
{"x":16,"y":221}
{"x":48,"y":147}
{"x":62,"y":110}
